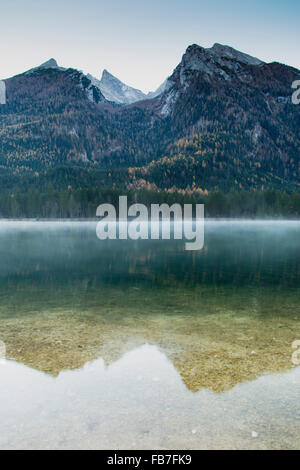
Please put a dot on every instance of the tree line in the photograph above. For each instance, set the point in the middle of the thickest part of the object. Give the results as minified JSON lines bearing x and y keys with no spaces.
{"x":82,"y":203}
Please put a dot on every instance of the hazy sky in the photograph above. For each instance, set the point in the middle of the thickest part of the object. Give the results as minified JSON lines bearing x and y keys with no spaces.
{"x":141,"y":41}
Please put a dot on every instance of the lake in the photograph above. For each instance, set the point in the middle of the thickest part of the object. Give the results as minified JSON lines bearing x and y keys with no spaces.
{"x":123,"y":344}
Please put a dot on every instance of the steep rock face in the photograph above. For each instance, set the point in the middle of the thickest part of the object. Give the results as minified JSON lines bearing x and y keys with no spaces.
{"x":118,"y":92}
{"x":234,"y":114}
{"x":50,"y":80}
{"x":44,"y":113}
{"x":221,"y":53}
{"x":221,"y":67}
{"x":115,"y":90}
{"x":216,"y":64}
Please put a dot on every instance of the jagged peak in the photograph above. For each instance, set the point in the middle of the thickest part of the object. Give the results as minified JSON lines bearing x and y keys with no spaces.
{"x":106,"y":73}
{"x":49,"y":64}
{"x":219,"y":62}
{"x":115,"y":90}
{"x":194,"y":47}
{"x":108,"y":77}
{"x":220,"y":51}
{"x":231,"y":53}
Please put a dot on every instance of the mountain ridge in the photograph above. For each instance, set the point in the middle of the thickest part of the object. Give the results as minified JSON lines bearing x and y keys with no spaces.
{"x":222,"y":119}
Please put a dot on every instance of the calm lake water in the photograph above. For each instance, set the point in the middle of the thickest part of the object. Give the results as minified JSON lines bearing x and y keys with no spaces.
{"x":143,"y":345}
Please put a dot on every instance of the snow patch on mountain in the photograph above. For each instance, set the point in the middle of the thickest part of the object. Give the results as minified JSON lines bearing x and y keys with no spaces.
{"x":170,"y":100}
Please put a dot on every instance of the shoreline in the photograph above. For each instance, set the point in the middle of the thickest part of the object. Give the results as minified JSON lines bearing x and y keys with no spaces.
{"x":207,"y":219}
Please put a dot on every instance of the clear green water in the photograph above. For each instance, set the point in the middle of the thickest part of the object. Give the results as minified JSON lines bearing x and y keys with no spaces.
{"x":123,"y":344}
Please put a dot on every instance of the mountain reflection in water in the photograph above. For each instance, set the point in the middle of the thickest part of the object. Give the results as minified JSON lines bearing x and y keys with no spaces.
{"x":139,"y":402}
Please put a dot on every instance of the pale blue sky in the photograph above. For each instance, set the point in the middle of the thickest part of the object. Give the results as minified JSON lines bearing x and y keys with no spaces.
{"x":141,"y":41}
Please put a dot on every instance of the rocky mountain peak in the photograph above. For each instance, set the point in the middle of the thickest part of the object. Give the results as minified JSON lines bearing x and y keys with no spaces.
{"x":218,"y":63}
{"x":115,"y":90}
{"x":228,"y":52}
{"x":50,"y":64}
{"x":208,"y":60}
{"x":108,"y":76}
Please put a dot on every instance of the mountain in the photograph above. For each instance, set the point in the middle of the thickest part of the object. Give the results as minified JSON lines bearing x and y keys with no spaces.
{"x":231,"y":123}
{"x":163,"y":87}
{"x":2,"y":93}
{"x":222,"y":120}
{"x":45,"y":109}
{"x":118,"y":92}
{"x":115,"y":90}
{"x":49,"y":64}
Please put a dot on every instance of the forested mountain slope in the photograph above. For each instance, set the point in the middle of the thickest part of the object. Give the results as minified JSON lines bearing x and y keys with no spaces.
{"x":223,"y":120}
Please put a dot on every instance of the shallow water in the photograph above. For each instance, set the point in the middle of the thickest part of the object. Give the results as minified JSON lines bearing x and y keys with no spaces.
{"x":123,"y":344}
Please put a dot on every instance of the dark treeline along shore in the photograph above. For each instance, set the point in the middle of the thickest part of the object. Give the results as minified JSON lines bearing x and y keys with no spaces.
{"x":60,"y":198}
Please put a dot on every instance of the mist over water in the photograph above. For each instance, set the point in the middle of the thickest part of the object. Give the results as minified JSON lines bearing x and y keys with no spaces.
{"x":248,"y":252}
